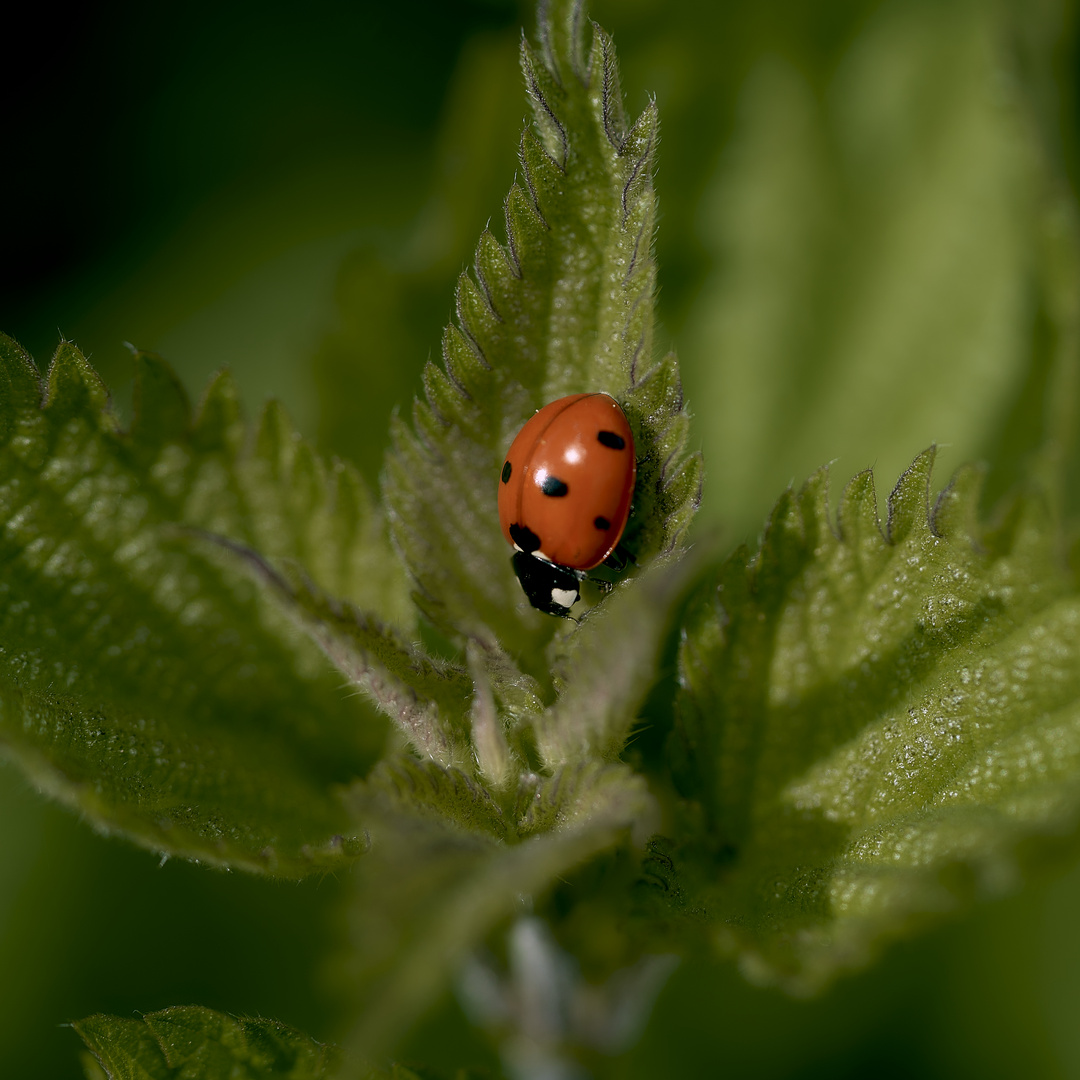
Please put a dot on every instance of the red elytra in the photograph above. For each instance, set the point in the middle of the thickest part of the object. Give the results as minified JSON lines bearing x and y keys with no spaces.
{"x":567,"y":481}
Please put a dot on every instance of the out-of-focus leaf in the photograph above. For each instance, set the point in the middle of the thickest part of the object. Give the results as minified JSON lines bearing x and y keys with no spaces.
{"x":188,"y":1041}
{"x":1036,"y":437}
{"x":875,"y":233}
{"x":147,"y":682}
{"x":392,"y":296}
{"x":873,"y":728}
{"x":564,"y":306}
{"x":447,"y":864}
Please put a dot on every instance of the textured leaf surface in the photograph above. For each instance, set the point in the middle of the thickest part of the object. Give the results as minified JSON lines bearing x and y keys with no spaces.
{"x":190,"y":1041}
{"x":426,"y":697}
{"x":877,"y":727}
{"x":146,"y":681}
{"x":604,"y":667}
{"x":564,"y":306}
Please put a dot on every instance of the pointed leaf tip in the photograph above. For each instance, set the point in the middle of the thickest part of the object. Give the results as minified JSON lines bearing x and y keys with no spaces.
{"x":812,"y":501}
{"x":161,"y":404}
{"x":545,"y":92}
{"x":71,"y":381}
{"x":20,"y":382}
{"x":218,"y":420}
{"x":955,"y":511}
{"x":909,"y":502}
{"x":604,"y":72}
{"x":858,"y":514}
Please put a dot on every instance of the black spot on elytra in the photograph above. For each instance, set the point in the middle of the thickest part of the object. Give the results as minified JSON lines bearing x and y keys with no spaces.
{"x":554,"y":487}
{"x":602,"y":523}
{"x":525,"y":538}
{"x":506,"y":472}
{"x":611,"y":440}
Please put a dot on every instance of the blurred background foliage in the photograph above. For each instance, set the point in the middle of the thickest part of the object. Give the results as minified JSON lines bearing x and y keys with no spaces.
{"x":866,"y":244}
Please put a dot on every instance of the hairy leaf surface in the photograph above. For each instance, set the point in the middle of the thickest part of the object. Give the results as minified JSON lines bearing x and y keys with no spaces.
{"x":564,"y":306}
{"x":875,"y":727}
{"x":426,"y":697}
{"x":604,"y":667}
{"x":144,"y":680}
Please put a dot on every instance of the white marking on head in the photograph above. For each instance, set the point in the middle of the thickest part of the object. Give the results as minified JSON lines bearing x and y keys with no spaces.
{"x":564,"y":597}
{"x":541,"y":555}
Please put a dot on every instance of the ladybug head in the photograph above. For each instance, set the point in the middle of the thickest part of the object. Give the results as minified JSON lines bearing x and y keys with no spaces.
{"x":550,"y":588}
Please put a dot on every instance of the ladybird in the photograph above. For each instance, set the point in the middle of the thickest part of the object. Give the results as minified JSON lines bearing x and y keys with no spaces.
{"x":564,"y":495}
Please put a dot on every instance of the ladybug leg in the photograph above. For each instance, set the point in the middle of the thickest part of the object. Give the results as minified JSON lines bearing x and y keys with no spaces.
{"x":619,"y":559}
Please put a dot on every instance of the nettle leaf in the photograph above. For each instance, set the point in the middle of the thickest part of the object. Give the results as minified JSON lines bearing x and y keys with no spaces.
{"x":296,"y":507}
{"x":427,"y":697}
{"x":456,"y":848}
{"x":144,"y":680}
{"x":190,"y":1041}
{"x":449,"y":862}
{"x":511,"y":790}
{"x":874,"y":729}
{"x":604,"y":668}
{"x":565,"y":305}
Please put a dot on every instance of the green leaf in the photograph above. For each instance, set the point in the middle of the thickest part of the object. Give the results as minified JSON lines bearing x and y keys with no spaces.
{"x":875,"y":233}
{"x":566,"y":305}
{"x":148,"y":683}
{"x":604,"y":667}
{"x":1038,"y":435}
{"x":323,"y":517}
{"x":535,"y":314}
{"x":426,"y":697}
{"x":874,"y":728}
{"x":190,"y":1041}
{"x":448,"y":864}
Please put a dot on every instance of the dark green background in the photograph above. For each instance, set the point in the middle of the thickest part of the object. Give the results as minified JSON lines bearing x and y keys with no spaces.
{"x":281,"y":189}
